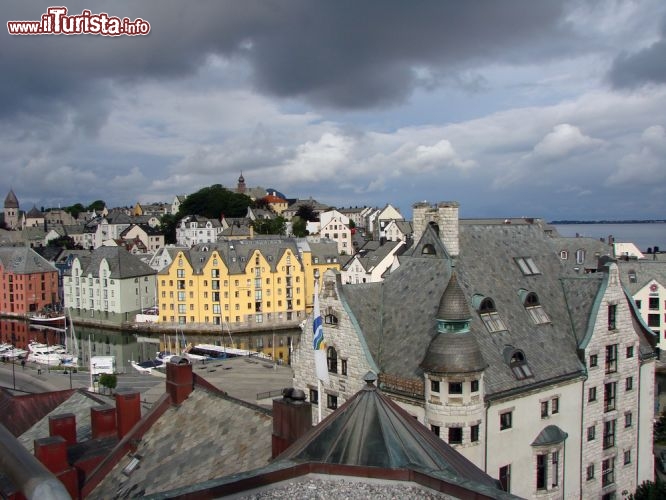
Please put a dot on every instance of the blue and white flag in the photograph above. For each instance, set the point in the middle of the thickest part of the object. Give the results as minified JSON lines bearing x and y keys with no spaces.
{"x":321,"y":367}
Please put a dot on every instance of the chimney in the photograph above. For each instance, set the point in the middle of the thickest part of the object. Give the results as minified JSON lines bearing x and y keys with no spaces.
{"x":180,"y":382}
{"x":63,"y":425}
{"x":251,"y":232}
{"x":103,"y":421}
{"x":292,"y":417}
{"x":448,"y":226}
{"x":128,"y":410}
{"x":52,"y":452}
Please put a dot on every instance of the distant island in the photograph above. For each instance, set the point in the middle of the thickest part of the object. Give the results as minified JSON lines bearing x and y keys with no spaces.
{"x":650,"y":221}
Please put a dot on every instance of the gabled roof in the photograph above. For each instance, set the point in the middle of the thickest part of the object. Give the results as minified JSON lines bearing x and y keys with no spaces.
{"x":11,"y":201}
{"x":122,"y":264}
{"x":34,"y":213}
{"x":373,"y":253}
{"x":22,"y":260}
{"x":208,"y":435}
{"x":20,"y":413}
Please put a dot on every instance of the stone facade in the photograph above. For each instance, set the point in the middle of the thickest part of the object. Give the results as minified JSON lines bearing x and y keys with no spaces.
{"x":445,"y":216}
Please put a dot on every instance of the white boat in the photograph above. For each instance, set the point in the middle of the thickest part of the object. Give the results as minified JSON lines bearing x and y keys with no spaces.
{"x":147,"y":366}
{"x":44,"y":356}
{"x":206,"y":352}
{"x":14,"y":353}
{"x":48,"y":318}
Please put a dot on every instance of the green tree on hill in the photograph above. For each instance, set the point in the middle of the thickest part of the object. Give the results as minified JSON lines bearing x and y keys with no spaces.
{"x":213,"y":202}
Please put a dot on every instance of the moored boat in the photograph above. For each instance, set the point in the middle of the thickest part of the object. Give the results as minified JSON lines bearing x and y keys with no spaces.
{"x":46,"y":318}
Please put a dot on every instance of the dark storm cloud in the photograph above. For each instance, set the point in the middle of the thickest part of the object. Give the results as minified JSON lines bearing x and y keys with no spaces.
{"x":643,"y":67}
{"x":346,"y":54}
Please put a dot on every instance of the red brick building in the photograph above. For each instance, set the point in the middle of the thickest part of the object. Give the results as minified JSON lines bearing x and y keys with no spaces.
{"x":29,"y":282}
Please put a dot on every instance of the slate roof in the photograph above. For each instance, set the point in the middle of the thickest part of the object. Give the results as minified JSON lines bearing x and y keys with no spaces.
{"x":373,"y":252}
{"x":78,"y":403}
{"x":22,"y":260}
{"x":11,"y":201}
{"x":398,"y":316}
{"x":122,"y":264}
{"x":207,"y":436}
{"x":594,"y":249}
{"x":34,"y":213}
{"x":645,"y":270}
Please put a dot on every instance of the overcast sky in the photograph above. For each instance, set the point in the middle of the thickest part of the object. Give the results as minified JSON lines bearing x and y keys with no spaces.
{"x":512,"y":108}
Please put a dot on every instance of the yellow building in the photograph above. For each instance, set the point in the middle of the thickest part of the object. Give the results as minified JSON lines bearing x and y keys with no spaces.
{"x":250,"y":284}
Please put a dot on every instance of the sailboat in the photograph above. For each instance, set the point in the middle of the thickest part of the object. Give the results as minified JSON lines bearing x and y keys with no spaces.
{"x":71,"y":356}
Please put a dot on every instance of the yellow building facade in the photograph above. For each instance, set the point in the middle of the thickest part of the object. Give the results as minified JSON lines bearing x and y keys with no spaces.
{"x":248,"y":284}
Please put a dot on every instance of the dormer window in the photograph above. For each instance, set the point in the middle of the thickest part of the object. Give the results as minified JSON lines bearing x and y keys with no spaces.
{"x":564,"y":255}
{"x":331,"y":319}
{"x":428,"y":249}
{"x":632,"y":276}
{"x":490,"y":316}
{"x":519,"y":367}
{"x":535,"y":310}
{"x":580,"y":256}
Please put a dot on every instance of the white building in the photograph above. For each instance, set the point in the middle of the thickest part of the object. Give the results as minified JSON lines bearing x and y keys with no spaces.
{"x":335,"y":227}
{"x":541,"y":375}
{"x":195,"y":229}
{"x":109,"y":283}
{"x":370,"y":263}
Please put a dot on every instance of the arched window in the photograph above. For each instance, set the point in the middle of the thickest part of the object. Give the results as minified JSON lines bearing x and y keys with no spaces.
{"x":332,"y":360}
{"x":435,"y":226}
{"x":428,"y":249}
{"x":490,"y":316}
{"x":534,"y":309}
{"x":518,"y":365}
{"x":331,"y":319}
{"x":580,"y":256}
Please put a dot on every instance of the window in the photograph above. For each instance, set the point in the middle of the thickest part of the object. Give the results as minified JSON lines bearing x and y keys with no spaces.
{"x":527,"y":266}
{"x":638,"y":304}
{"x":608,"y":471}
{"x":593,"y":360}
{"x":542,"y":471}
{"x":505,"y":420}
{"x":505,"y":477}
{"x":343,"y":366}
{"x":628,"y":417}
{"x":591,"y":432}
{"x":331,"y":402}
{"x":555,"y":406}
{"x":534,"y":309}
{"x":653,"y":303}
{"x":580,"y":256}
{"x":592,"y":394}
{"x":474,"y":433}
{"x":632,"y":276}
{"x":627,"y":457}
{"x":609,"y":434}
{"x":544,"y":409}
{"x":490,"y":316}
{"x":331,"y":319}
{"x":475,"y":386}
{"x":332,"y":360}
{"x":654,"y":320}
{"x":455,"y":388}
{"x":455,"y":435}
{"x":611,"y":358}
{"x":612,"y":310}
{"x":434,"y":385}
{"x":564,"y":255}
{"x":630,"y":351}
{"x":590,"y":472}
{"x":629,"y":384}
{"x":519,"y":366}
{"x":610,"y":391}
{"x":555,"y":460}
{"x":435,"y":429}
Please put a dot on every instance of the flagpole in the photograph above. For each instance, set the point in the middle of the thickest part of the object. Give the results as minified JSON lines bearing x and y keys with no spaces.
{"x":319,"y":345}
{"x":318,"y":400}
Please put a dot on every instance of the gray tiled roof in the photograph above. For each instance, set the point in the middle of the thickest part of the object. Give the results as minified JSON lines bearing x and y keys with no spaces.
{"x":645,"y":270}
{"x":78,"y":404}
{"x":374,"y":252}
{"x":122,"y":264}
{"x":207,"y":436}
{"x":397,"y":317}
{"x":23,"y":260}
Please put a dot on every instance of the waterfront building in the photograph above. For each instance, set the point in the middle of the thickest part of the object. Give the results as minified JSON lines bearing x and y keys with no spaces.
{"x":540,"y":374}
{"x":257,"y":283}
{"x":29,"y":282}
{"x":109,"y":283}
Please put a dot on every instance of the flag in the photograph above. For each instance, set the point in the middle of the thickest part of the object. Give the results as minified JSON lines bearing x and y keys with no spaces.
{"x":321,"y":367}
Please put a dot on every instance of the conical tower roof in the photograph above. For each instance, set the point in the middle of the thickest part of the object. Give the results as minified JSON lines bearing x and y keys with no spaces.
{"x":453,"y":304}
{"x":11,"y":201}
{"x":373,"y":431}
{"x":453,"y":349}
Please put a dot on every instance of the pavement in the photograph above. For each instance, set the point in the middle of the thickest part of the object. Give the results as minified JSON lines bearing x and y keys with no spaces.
{"x":250,"y":379}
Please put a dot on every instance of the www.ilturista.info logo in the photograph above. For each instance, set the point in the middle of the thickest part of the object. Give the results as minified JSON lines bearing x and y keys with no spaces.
{"x":56,"y":22}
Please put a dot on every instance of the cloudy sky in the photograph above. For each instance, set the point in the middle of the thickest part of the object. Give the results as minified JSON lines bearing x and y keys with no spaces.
{"x":513,"y":108}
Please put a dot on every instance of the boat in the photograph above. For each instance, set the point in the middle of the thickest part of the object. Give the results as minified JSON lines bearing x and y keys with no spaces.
{"x":210,"y":352}
{"x":70,"y":357}
{"x":44,"y":356}
{"x":48,"y":318}
{"x":14,"y":353}
{"x":147,"y":366}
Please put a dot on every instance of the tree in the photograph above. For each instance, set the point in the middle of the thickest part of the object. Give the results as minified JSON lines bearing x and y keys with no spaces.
{"x":270,"y":226}
{"x":298,"y":227}
{"x":75,"y":210}
{"x":307,"y":213}
{"x":649,"y":490}
{"x":108,"y":380}
{"x":213,"y":202}
{"x":97,"y":205}
{"x":66,"y":242}
{"x":168,"y":225}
